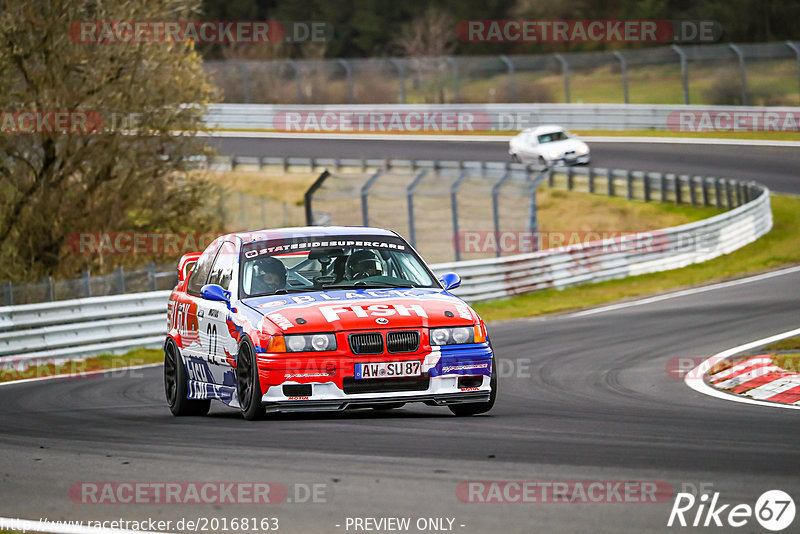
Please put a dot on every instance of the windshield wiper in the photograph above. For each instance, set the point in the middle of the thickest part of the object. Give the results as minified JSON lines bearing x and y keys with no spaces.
{"x":363,"y":284}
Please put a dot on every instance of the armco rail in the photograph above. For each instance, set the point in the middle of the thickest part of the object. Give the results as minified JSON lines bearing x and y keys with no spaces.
{"x":72,"y":329}
{"x":475,"y":117}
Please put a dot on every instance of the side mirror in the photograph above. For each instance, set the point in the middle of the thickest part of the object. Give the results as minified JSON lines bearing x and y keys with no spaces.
{"x":215,"y":292}
{"x":450,"y":280}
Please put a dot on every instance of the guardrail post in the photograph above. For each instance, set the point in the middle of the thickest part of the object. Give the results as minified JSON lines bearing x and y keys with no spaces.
{"x":456,"y":81}
{"x":796,"y":50}
{"x":533,"y":212}
{"x":86,"y":278}
{"x":718,"y":191}
{"x":121,"y":279}
{"x":401,"y":79}
{"x":454,"y":207}
{"x":348,"y":72}
{"x":591,"y":179}
{"x":309,"y":196}
{"x":151,"y":275}
{"x":570,"y":179}
{"x":728,"y":194}
{"x":565,"y":73}
{"x":646,"y":184}
{"x":623,"y":68}
{"x":663,"y":186}
{"x":610,"y":183}
{"x":298,"y":80}
{"x":245,"y":80}
{"x":365,"y":193}
{"x":512,"y":90}
{"x":412,"y":234}
{"x":496,"y":209}
{"x":684,"y":72}
{"x":629,"y":180}
{"x":678,"y":189}
{"x":51,"y":289}
{"x":550,"y":177}
{"x":706,"y":196}
{"x":8,"y":293}
{"x":692,"y":181}
{"x":742,"y":70}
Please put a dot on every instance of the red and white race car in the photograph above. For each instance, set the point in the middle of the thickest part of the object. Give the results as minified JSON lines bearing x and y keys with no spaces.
{"x":321,"y":318}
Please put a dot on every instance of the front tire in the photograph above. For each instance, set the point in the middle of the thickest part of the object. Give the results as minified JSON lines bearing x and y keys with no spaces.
{"x":248,"y":386}
{"x":176,"y":385}
{"x":475,"y":408}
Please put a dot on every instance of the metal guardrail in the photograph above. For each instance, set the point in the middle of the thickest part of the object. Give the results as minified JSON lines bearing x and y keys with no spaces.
{"x":407,"y":118}
{"x":645,"y":252}
{"x":67,"y":329}
{"x":73,"y":329}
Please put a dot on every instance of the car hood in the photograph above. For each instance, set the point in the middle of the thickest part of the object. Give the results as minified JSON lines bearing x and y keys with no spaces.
{"x":359,"y":309}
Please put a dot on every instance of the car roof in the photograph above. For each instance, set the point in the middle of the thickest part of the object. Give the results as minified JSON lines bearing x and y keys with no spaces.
{"x":309,"y":231}
{"x":544,"y":129}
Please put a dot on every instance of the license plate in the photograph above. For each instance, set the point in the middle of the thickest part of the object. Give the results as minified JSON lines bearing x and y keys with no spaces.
{"x":388,"y":369}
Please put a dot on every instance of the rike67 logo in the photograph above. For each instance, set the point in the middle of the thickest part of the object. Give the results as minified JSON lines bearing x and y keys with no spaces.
{"x":774,"y":510}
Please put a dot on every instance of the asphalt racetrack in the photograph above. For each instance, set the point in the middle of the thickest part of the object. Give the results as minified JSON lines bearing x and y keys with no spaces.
{"x":582,"y":398}
{"x":775,"y":167}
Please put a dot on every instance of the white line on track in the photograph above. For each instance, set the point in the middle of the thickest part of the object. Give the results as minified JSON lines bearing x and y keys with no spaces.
{"x":56,"y":527}
{"x":686,"y":292}
{"x":491,"y":138}
{"x":694,"y":378}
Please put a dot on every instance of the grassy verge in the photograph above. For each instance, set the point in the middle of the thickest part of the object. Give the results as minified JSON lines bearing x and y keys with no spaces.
{"x":781,"y":246}
{"x":95,"y":363}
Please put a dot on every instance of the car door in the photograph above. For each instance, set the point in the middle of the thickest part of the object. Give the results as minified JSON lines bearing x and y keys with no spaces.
{"x":529,"y":152}
{"x":213,"y":315}
{"x":196,"y":342}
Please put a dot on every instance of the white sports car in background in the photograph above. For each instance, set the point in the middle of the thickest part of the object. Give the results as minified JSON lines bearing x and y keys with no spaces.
{"x":548,"y":146}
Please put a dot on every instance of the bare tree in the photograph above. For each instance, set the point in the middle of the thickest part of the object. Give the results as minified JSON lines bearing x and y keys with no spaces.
{"x":130,"y":173}
{"x":426,"y":40}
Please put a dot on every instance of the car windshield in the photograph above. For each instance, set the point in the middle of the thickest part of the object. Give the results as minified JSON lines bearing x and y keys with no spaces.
{"x":555,"y":136}
{"x":318,"y":263}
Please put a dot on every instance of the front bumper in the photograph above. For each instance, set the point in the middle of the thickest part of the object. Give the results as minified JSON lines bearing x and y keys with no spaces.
{"x":567,"y":161}
{"x":450,"y":376}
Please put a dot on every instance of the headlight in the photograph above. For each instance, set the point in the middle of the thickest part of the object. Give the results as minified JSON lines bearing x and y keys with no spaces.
{"x":583,"y":150}
{"x":457,"y":335}
{"x":554,"y":154}
{"x":310,"y":342}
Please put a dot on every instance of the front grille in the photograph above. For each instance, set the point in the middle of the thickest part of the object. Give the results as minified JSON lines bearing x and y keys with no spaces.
{"x":407,"y":341}
{"x":385,"y":385}
{"x":370,"y":343}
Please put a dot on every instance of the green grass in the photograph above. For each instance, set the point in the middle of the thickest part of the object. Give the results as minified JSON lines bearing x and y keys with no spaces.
{"x":95,"y":363}
{"x":791,"y":343}
{"x":787,"y":362}
{"x":781,"y":246}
